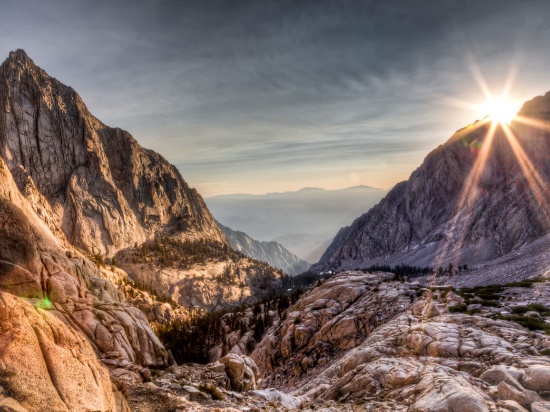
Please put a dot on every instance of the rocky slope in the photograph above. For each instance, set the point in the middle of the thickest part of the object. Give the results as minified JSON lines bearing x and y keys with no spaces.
{"x":369,"y":342}
{"x":441,"y":215}
{"x":385,"y":345}
{"x":56,"y":281}
{"x":271,"y":252}
{"x":93,"y":183}
{"x":47,"y":365}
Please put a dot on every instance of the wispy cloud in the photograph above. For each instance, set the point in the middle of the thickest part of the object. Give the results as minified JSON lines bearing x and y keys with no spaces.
{"x":261,"y":95}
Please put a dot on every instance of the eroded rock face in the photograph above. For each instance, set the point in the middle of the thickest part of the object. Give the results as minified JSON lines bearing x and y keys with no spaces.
{"x":413,"y":354}
{"x":36,"y":264}
{"x":46,"y":365}
{"x":95,"y":184}
{"x":327,"y":321}
{"x":242,"y":372}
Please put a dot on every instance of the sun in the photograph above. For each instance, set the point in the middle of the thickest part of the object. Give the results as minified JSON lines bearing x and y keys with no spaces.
{"x":499,"y":109}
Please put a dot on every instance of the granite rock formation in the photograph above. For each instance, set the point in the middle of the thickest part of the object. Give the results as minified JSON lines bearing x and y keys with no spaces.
{"x":393,"y":346}
{"x":93,"y":183}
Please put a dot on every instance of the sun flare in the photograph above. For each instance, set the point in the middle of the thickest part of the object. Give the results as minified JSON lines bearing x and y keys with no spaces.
{"x":499,"y":109}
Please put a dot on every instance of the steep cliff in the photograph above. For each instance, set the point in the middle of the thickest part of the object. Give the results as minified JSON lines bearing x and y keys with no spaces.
{"x":271,"y":252}
{"x":35,"y":265}
{"x":94,"y":183}
{"x":456,"y":207}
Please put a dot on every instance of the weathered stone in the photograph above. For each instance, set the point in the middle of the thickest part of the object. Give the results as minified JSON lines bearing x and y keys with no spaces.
{"x":241,"y":370}
{"x":474,"y":307}
{"x":524,"y":397}
{"x":46,"y":365}
{"x":542,"y":406}
{"x":511,"y":406}
{"x":537,"y":378}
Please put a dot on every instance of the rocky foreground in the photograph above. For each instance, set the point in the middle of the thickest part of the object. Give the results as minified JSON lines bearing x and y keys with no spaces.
{"x":361,"y":341}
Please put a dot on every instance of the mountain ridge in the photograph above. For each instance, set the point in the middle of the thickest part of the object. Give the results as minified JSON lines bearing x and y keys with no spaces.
{"x":454,"y":209}
{"x":271,"y":252}
{"x":80,"y":178}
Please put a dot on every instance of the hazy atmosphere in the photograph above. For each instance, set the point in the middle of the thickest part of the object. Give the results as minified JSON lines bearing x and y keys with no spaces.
{"x":257,"y":96}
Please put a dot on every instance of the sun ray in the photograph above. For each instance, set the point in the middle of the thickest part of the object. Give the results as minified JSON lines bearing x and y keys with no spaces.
{"x":534,"y":180}
{"x":469,"y":189}
{"x":478,"y":76}
{"x":540,"y":124}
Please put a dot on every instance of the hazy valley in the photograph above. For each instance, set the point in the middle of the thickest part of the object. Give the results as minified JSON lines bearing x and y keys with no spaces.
{"x":304,"y":221}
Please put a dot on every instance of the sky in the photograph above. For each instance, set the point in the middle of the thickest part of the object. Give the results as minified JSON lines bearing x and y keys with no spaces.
{"x":268,"y":96}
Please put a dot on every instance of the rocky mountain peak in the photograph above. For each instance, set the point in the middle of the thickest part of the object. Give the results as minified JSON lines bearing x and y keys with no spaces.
{"x":468,"y":203}
{"x":19,"y":56}
{"x":94,"y":183}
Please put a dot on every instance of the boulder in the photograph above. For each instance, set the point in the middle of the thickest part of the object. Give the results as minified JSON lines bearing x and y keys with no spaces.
{"x":474,"y":307}
{"x":495,"y":375}
{"x":511,"y":406}
{"x":532,"y":314}
{"x":242,"y":372}
{"x":524,"y":397}
{"x":542,"y":406}
{"x":283,"y":399}
{"x":537,"y":378}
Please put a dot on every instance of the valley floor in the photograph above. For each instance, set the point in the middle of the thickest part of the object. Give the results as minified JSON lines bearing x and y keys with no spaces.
{"x":364,"y":341}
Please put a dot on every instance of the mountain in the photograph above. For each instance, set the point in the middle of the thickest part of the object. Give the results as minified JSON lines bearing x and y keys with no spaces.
{"x":93,"y":183}
{"x":74,"y":195}
{"x":99,"y":191}
{"x":271,"y":252}
{"x":303,"y":221}
{"x":61,"y":321}
{"x":473,"y":201}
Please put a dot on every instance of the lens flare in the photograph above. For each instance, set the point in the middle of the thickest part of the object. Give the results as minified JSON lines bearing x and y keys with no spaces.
{"x":499,"y":109}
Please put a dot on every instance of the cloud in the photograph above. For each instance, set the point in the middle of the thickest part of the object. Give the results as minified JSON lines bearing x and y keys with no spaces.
{"x":239,"y":91}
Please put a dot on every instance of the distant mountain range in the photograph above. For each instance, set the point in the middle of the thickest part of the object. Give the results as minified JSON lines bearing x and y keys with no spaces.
{"x":271,"y":252}
{"x":304,"y":221}
{"x":481,"y":199}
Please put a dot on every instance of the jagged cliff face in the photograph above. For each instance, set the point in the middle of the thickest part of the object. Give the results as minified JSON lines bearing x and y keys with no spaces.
{"x":93,"y":183}
{"x":271,"y":252}
{"x":423,"y":221}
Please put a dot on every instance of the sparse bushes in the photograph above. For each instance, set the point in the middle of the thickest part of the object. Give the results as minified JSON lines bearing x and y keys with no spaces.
{"x":531,"y":323}
{"x":535,"y":307}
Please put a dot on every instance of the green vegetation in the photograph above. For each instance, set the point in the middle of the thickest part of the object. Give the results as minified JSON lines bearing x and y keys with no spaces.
{"x":531,"y":323}
{"x":184,"y":254}
{"x":192,"y":340}
{"x":535,"y":307}
{"x":130,"y":292}
{"x":458,"y":308}
{"x":401,"y":271}
{"x":98,"y":259}
{"x":170,"y":252}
